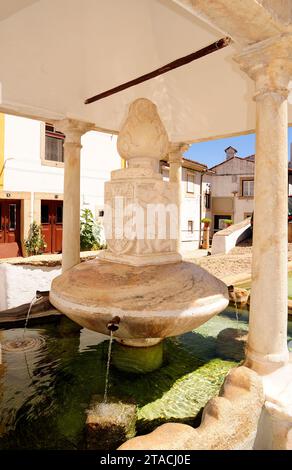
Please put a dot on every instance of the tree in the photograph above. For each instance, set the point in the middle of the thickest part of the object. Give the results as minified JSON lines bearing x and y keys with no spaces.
{"x":35,"y":244}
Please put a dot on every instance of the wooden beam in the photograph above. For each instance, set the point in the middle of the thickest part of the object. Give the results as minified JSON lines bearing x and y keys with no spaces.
{"x":215,"y":46}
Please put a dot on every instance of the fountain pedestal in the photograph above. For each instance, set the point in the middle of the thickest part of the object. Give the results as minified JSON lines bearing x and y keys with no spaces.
{"x":140,"y":278}
{"x":137,"y":360}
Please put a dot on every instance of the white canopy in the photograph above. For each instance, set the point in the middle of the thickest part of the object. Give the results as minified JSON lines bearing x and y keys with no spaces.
{"x":56,"y":53}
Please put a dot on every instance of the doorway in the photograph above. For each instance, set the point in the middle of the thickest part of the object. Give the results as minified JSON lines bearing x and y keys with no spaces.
{"x":52,"y":225}
{"x":9,"y":228}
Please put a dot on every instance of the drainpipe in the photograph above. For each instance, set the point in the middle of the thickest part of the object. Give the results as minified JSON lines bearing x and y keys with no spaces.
{"x":200,"y":224}
{"x":201,"y":203}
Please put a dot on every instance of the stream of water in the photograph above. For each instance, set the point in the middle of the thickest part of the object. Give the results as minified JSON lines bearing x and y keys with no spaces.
{"x":105,"y":397}
{"x":27,"y":316}
{"x":236,"y":315}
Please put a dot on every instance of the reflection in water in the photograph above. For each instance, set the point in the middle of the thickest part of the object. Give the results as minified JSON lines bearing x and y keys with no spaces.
{"x":46,"y":408}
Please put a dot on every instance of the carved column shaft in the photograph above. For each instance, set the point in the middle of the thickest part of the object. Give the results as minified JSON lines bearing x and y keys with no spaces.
{"x":73,"y":131}
{"x":270,"y":66}
{"x":175,"y":158}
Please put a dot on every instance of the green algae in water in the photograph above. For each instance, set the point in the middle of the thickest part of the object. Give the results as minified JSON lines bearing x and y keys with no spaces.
{"x":44,"y":394}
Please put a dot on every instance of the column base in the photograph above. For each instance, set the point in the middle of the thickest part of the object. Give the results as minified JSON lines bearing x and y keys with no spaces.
{"x":265,"y":364}
{"x":139,"y":359}
{"x":275,"y":426}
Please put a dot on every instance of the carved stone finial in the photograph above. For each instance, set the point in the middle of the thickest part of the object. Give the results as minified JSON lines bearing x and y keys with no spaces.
{"x":143,"y":135}
{"x":141,"y":222}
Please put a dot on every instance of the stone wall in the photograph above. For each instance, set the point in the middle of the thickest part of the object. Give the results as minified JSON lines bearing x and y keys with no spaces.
{"x":18,"y":284}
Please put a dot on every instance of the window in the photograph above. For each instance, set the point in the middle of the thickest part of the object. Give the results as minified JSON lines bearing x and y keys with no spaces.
{"x":59,"y":215}
{"x":54,"y":151}
{"x":190,"y":226}
{"x":207,"y":200}
{"x":247,"y":188}
{"x":12,"y":216}
{"x":190,"y":183}
{"x":45,"y":214}
{"x":207,"y":196}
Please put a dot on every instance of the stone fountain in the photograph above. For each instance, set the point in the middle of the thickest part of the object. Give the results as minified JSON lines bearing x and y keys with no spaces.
{"x":140,"y":282}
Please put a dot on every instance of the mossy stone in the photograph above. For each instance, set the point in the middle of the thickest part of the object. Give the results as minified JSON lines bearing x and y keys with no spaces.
{"x":109,"y":424}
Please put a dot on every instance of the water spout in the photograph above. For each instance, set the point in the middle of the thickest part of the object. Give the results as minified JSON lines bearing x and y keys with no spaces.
{"x":113,"y":324}
{"x":42,"y":293}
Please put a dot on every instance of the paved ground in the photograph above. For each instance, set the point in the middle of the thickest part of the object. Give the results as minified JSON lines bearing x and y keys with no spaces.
{"x":225,"y":265}
{"x":237,"y":262}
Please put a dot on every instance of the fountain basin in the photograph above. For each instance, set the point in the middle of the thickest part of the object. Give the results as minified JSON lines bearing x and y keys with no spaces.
{"x":152,"y":301}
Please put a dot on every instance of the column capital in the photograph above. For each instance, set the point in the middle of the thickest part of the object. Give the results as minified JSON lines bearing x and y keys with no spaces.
{"x":73,"y":129}
{"x":269,"y":64}
{"x":176,"y":150}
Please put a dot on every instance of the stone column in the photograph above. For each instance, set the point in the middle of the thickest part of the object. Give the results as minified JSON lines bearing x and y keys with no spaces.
{"x":175,"y":158}
{"x":73,"y":131}
{"x":269,"y":64}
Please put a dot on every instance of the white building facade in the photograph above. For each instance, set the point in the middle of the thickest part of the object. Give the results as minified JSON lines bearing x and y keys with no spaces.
{"x":32,"y":180}
{"x":195,"y":201}
{"x":232,"y":189}
{"x":32,"y":184}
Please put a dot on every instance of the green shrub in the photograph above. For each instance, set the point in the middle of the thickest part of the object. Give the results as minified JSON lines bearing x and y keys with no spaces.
{"x":91,"y":232}
{"x":228,"y":221}
{"x":35,"y":243}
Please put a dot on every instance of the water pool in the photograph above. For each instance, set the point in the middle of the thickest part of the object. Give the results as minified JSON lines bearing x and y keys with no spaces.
{"x":44,"y":392}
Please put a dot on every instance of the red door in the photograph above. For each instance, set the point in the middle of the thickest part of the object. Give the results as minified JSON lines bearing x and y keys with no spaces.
{"x":9,"y":228}
{"x":52,"y":225}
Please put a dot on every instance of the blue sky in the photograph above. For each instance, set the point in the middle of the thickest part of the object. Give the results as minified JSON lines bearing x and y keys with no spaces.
{"x":212,"y":152}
